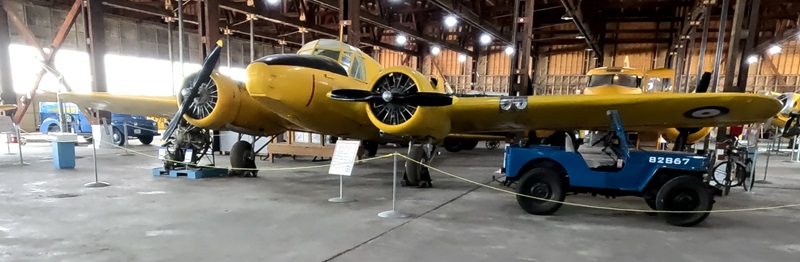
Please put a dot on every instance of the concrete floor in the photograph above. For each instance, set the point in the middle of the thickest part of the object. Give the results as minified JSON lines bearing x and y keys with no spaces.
{"x":47,"y":215}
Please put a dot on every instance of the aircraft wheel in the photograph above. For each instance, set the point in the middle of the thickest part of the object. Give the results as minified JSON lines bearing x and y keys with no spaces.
{"x":146,"y":140}
{"x":469,"y":144}
{"x":242,"y":156}
{"x":453,"y":145}
{"x":371,"y":148}
{"x":684,"y":193}
{"x":413,"y":169}
{"x":543,"y":183}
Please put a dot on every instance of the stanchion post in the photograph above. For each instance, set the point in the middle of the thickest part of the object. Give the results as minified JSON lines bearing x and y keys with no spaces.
{"x":8,"y":144}
{"x":19,"y":144}
{"x":394,"y":213}
{"x":97,"y":182}
{"x":125,"y":139}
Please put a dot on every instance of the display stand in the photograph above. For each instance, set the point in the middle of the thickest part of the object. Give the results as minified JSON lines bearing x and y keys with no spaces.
{"x":303,"y":144}
{"x":394,"y":213}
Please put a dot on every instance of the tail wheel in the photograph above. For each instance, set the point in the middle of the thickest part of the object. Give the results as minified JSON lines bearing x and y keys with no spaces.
{"x":543,"y":183}
{"x":243,"y":159}
{"x":684,"y":193}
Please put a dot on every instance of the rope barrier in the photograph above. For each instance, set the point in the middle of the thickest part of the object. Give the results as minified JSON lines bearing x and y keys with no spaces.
{"x":479,"y":184}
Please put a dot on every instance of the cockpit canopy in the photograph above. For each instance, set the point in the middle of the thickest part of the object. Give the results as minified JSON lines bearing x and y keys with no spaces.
{"x":605,"y":76}
{"x":349,"y":57}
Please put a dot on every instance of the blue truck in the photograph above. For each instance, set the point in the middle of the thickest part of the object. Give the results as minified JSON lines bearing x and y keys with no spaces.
{"x":139,"y":127}
{"x":670,"y":181}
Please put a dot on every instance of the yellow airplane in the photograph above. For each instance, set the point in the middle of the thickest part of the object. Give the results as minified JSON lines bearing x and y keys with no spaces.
{"x":332,"y":88}
{"x":626,"y":80}
{"x":784,"y":119}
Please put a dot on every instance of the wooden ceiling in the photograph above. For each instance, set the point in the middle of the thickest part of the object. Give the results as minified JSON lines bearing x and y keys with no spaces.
{"x":608,"y":21}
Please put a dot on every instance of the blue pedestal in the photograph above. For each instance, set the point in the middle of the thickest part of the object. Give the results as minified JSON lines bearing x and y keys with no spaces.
{"x":64,"y":155}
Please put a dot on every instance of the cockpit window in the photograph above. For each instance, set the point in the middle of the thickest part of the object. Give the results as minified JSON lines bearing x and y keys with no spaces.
{"x":632,"y":81}
{"x":346,"y":60}
{"x":659,"y":85}
{"x":334,"y":54}
{"x":358,"y":71}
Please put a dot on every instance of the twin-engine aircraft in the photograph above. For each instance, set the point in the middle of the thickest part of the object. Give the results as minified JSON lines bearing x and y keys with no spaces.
{"x":332,"y":88}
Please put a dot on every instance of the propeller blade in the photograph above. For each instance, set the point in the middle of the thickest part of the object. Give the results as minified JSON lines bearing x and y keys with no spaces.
{"x":424,"y":99}
{"x":202,"y":77}
{"x":702,"y":85}
{"x":355,"y":95}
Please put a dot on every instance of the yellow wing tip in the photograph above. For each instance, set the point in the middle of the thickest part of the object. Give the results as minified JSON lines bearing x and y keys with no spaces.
{"x":219,"y":42}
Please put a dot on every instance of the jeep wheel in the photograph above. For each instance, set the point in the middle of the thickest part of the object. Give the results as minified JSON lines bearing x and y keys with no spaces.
{"x":543,"y":183}
{"x":684,"y":193}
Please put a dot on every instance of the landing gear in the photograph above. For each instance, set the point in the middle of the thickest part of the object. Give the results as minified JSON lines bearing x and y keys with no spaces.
{"x":243,"y":160}
{"x":415,"y":174}
{"x":187,"y":139}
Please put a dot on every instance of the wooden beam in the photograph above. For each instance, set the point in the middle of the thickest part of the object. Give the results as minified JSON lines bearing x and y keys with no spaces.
{"x":61,"y":36}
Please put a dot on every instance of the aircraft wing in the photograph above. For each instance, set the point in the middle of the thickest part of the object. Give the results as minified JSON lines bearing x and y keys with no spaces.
{"x":154,"y":106}
{"x":7,"y":107}
{"x":637,"y":112}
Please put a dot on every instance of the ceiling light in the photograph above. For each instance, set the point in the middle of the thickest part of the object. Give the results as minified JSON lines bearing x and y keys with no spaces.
{"x":775,"y":49}
{"x":752,"y":59}
{"x":435,"y":50}
{"x":462,"y":58}
{"x":450,"y":21}
{"x":401,"y":39}
{"x":273,"y":2}
{"x":486,"y":39}
{"x":589,"y":49}
{"x":509,"y":50}
{"x":580,"y":37}
{"x":566,"y":17}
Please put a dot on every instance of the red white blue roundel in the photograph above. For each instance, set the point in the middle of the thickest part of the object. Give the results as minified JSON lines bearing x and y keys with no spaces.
{"x":706,"y":112}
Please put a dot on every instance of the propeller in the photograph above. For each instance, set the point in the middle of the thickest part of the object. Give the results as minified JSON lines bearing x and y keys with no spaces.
{"x":190,"y":93}
{"x":387,"y":96}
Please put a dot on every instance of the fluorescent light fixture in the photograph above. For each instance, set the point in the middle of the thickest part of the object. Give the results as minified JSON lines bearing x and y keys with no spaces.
{"x":273,"y":2}
{"x":462,"y":58}
{"x":580,"y":37}
{"x":486,"y":39}
{"x":509,"y":50}
{"x":775,"y":49}
{"x":435,"y":50}
{"x":401,"y":39}
{"x":450,"y":21}
{"x":566,"y":17}
{"x":752,"y":59}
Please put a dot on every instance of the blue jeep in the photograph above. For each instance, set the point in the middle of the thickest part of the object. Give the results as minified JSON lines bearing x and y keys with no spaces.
{"x":667,"y":180}
{"x":138,"y":126}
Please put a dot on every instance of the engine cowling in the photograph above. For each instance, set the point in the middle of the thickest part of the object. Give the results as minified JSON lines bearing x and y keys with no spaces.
{"x":671,"y":134}
{"x":403,"y":119}
{"x":221,"y":102}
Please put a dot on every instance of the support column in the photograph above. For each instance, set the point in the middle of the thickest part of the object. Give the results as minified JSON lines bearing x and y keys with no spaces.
{"x":209,"y":22}
{"x":749,"y":45}
{"x":96,"y":45}
{"x":349,"y":11}
{"x":734,"y":52}
{"x":722,"y":132}
{"x":521,"y":62}
{"x":703,"y":43}
{"x":7,"y":94}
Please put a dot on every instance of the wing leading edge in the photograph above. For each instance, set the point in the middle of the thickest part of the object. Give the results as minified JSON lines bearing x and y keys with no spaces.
{"x":154,"y":106}
{"x":638,"y":112}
